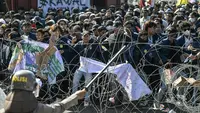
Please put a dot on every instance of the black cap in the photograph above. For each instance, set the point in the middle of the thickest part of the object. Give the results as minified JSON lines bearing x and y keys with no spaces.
{"x":109,"y":23}
{"x":171,"y":30}
{"x":94,"y":27}
{"x":39,"y":25}
{"x":85,"y":33}
{"x":51,"y":13}
{"x":101,"y":28}
{"x":26,"y":24}
{"x":117,"y":23}
{"x":16,"y":15}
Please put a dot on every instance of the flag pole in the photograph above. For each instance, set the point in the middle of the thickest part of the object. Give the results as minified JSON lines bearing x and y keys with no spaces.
{"x":107,"y":65}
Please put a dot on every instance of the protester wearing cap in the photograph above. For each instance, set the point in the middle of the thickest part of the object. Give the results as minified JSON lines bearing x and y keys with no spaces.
{"x":112,"y":8}
{"x":85,"y":48}
{"x":108,"y":15}
{"x":185,"y":39}
{"x":14,"y":35}
{"x":67,"y":15}
{"x":193,"y":19}
{"x":102,"y":36}
{"x":115,"y":37}
{"x":167,"y":59}
{"x":109,"y":25}
{"x":92,"y":16}
{"x":50,"y":15}
{"x":169,"y":17}
{"x":26,"y":27}
{"x":63,"y":23}
{"x":76,"y":32}
{"x":136,"y":12}
{"x":141,"y":46}
{"x":131,"y":30}
{"x":145,"y":17}
{"x":95,"y":31}
{"x":17,"y":16}
{"x":165,"y":52}
{"x":59,"y":15}
{"x":27,"y":34}
{"x":159,"y":30}
{"x":27,"y":16}
{"x":50,"y":22}
{"x":149,"y":27}
{"x":40,"y":11}
{"x":22,"y":100}
{"x":40,"y":35}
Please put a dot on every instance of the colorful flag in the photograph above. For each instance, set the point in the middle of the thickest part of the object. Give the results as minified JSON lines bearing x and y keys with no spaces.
{"x":126,"y":76}
{"x":24,"y":57}
{"x":181,"y":2}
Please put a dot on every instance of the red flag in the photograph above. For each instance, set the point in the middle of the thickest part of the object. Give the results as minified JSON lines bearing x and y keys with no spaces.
{"x":141,"y":3}
{"x":151,"y":3}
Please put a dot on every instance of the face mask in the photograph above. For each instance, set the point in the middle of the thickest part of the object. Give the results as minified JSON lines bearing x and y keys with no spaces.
{"x":192,"y":20}
{"x":187,"y":33}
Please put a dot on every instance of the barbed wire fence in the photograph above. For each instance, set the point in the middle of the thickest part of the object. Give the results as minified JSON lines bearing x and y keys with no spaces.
{"x":107,"y":86}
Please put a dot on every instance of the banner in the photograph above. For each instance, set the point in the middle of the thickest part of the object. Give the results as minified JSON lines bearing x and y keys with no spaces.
{"x":126,"y":76}
{"x":64,"y":4}
{"x":24,"y":57}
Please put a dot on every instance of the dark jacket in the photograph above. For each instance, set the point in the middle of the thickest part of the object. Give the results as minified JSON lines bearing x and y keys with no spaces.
{"x":84,"y":50}
{"x":181,"y":42}
{"x":167,"y":50}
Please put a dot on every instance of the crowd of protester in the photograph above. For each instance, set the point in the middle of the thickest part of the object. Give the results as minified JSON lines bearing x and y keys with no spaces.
{"x":163,"y":35}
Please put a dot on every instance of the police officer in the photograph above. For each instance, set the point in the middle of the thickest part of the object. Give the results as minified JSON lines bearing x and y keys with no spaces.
{"x":22,"y":100}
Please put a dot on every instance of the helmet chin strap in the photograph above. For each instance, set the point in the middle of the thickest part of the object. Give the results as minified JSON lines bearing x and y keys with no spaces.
{"x":37,"y":86}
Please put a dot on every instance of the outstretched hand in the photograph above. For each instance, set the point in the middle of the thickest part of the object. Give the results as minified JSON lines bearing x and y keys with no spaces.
{"x":81,"y":93}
